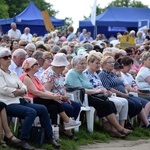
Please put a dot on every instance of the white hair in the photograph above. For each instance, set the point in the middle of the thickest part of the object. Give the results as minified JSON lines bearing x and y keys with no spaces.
{"x":77,"y":59}
{"x":132,"y":31}
{"x":30,"y":45}
{"x":4,"y":51}
{"x":18,"y":51}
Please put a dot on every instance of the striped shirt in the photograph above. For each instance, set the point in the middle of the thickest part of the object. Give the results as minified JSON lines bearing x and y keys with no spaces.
{"x":110,"y":80}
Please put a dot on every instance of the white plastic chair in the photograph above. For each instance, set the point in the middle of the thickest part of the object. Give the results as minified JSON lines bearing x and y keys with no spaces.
{"x":85,"y":107}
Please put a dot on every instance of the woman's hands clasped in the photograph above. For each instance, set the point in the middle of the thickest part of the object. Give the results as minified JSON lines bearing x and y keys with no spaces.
{"x":19,"y":92}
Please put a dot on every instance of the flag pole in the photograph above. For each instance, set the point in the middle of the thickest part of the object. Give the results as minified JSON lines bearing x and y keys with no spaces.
{"x":93,"y":18}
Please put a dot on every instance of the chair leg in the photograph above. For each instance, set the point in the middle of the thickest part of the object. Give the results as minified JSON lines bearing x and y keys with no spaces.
{"x":15,"y":124}
{"x":78,"y":119}
{"x":90,"y":119}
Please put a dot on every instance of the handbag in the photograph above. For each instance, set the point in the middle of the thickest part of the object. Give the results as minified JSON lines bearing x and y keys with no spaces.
{"x":37,"y":135}
{"x":77,"y":91}
{"x":100,"y":97}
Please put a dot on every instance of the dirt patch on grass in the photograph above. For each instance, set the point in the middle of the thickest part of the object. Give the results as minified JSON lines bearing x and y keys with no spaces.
{"x":119,"y":145}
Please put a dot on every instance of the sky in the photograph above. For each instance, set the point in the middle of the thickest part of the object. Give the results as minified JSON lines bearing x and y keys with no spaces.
{"x":77,"y":9}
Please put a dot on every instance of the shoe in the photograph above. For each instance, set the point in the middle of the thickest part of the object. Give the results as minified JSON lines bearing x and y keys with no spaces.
{"x":71,"y":124}
{"x":126,"y":131}
{"x":54,"y":143}
{"x":3,"y":144}
{"x":25,"y":146}
{"x":11,"y":140}
{"x":72,"y":137}
{"x":117,"y":135}
{"x":128,"y":125}
{"x":144,"y":126}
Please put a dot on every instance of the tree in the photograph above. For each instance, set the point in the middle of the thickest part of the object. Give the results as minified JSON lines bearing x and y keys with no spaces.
{"x":119,"y":3}
{"x":3,"y":10}
{"x":127,"y":3}
{"x":15,"y":7}
{"x":68,"y":22}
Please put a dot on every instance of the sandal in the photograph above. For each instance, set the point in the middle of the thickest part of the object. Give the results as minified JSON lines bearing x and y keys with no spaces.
{"x":126,"y":131}
{"x":3,"y":144}
{"x":117,"y":135}
{"x":11,"y":140}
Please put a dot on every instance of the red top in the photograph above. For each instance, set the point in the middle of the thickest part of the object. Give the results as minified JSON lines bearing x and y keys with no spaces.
{"x":35,"y":81}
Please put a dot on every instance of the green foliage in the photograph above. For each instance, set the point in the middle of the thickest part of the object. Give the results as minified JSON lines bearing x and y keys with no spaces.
{"x":127,"y":3}
{"x":15,"y":7}
{"x":3,"y":10}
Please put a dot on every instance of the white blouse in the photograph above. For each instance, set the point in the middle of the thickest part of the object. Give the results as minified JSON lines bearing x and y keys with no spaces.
{"x":8,"y":84}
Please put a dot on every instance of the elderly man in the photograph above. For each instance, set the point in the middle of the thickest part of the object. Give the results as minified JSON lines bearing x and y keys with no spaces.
{"x":14,"y":33}
{"x":18,"y":57}
{"x":27,"y":35}
{"x":30,"y":49}
{"x":82,"y":35}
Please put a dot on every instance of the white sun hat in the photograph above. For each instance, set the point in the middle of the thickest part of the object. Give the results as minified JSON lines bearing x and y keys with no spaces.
{"x":59,"y":60}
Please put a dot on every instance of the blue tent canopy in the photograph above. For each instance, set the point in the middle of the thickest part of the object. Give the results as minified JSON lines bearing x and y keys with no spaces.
{"x":118,"y":17}
{"x":31,"y":16}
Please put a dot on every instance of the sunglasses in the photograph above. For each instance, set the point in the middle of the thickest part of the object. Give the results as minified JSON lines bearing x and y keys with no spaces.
{"x":130,"y":54}
{"x":6,"y":57}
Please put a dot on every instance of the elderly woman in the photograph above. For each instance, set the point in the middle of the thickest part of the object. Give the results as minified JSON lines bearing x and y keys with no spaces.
{"x":42,"y":96}
{"x":48,"y":57}
{"x":30,"y":49}
{"x":121,"y":104}
{"x":114,"y":84}
{"x":107,"y":109}
{"x":143,"y":76}
{"x":11,"y":139}
{"x":53,"y":80}
{"x":131,"y":86}
{"x":12,"y":91}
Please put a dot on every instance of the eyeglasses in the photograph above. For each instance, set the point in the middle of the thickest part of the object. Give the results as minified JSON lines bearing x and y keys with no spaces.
{"x":130,"y":54}
{"x":6,"y":57}
{"x":42,"y":58}
{"x":49,"y":58}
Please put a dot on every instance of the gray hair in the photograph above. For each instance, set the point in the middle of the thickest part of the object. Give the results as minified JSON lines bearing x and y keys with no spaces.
{"x":88,"y":46}
{"x":13,"y":23}
{"x":55,"y":48}
{"x":38,"y":54}
{"x":77,"y":59}
{"x":30,"y":45}
{"x":17,"y":52}
{"x":4,"y":51}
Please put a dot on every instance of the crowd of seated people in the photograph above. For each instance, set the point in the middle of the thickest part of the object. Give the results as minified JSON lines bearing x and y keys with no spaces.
{"x":39,"y":68}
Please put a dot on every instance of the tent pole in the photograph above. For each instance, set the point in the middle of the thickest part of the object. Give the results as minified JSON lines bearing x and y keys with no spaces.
{"x":95,"y":31}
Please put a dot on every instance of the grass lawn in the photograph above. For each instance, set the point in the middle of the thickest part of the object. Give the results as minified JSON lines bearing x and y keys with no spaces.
{"x":98,"y":136}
